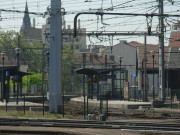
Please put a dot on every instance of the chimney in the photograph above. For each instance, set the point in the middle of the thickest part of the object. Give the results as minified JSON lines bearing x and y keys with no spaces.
{"x":34,"y":23}
{"x":123,"y":41}
{"x":79,"y":24}
{"x":95,"y":56}
{"x":48,"y":20}
{"x":90,"y":48}
{"x":64,"y":24}
{"x":111,"y":57}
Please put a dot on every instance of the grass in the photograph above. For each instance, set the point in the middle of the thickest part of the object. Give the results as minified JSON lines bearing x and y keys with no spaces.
{"x":33,"y":114}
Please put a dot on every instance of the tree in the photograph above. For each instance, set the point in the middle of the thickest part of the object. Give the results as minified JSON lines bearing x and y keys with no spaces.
{"x":31,"y":52}
{"x":31,"y":55}
{"x":70,"y":80}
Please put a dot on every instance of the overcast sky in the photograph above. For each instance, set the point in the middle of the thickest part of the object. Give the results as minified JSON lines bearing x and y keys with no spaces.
{"x":13,"y":21}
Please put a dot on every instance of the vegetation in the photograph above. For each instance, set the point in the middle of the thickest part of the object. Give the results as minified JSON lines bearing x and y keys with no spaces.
{"x":32,"y":114}
{"x":71,"y":80}
{"x":31,"y":55}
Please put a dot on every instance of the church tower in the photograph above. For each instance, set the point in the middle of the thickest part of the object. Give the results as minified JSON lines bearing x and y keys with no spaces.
{"x":26,"y":19}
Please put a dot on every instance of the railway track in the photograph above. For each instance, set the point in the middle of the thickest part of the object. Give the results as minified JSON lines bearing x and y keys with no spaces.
{"x":148,"y":127}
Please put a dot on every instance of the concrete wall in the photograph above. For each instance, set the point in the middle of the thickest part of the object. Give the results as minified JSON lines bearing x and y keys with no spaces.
{"x":129,"y":58}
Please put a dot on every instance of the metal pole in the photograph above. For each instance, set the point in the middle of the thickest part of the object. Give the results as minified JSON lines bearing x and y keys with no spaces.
{"x":120,"y":60}
{"x":101,"y":103}
{"x":106,"y":89}
{"x":88,"y":97}
{"x":167,"y":82}
{"x":161,"y":52}
{"x":7,"y":89}
{"x":14,"y":91}
{"x":17,"y":92}
{"x":55,"y":74}
{"x":171,"y":98}
{"x":153,"y":79}
{"x":63,"y":102}
{"x":3,"y":55}
{"x":24,"y":105}
{"x":17,"y":53}
{"x":84,"y":63}
{"x":145,"y":74}
{"x":63,"y":93}
{"x":143,"y":79}
{"x":43,"y":65}
{"x":4,"y":92}
{"x":27,"y":79}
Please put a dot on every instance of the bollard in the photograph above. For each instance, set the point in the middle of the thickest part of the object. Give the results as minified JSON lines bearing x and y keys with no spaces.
{"x":102,"y":117}
{"x":89,"y":116}
{"x":93,"y":117}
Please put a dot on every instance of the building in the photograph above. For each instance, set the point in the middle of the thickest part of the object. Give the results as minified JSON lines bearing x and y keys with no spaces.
{"x":9,"y":68}
{"x":173,"y":65}
{"x":30,"y":32}
{"x":42,"y":35}
{"x":94,"y":66}
{"x":78,"y":44}
{"x":128,"y":54}
{"x":149,"y":67}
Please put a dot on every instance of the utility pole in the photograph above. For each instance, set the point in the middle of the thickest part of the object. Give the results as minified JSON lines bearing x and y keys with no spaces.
{"x":43,"y":66}
{"x":161,"y":52}
{"x":120,"y":61}
{"x":145,"y":74}
{"x":55,"y":83}
{"x":84,"y":94}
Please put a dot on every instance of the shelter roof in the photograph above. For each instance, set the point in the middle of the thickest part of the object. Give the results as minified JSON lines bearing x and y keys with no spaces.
{"x":90,"y":71}
{"x":96,"y":59}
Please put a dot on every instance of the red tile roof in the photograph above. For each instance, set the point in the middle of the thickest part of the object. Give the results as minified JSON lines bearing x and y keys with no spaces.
{"x":137,"y":44}
{"x":91,"y":59}
{"x":175,"y":39}
{"x":149,"y":56}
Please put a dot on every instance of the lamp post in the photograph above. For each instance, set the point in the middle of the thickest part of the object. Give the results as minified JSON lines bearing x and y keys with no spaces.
{"x":7,"y":88}
{"x":120,"y":61}
{"x":27,"y":78}
{"x":2,"y":90}
{"x":153,"y":55}
{"x":17,"y":54}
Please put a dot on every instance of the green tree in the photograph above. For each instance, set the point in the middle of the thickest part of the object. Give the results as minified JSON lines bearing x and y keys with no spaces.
{"x":70,"y":80}
{"x":31,"y":52}
{"x":31,"y":55}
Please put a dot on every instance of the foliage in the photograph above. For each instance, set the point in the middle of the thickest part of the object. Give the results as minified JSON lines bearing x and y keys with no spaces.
{"x":70,"y":78}
{"x":30,"y":57}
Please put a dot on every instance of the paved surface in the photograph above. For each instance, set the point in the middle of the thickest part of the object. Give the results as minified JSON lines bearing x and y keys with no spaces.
{"x":20,"y":103}
{"x":72,"y":131}
{"x":114,"y":103}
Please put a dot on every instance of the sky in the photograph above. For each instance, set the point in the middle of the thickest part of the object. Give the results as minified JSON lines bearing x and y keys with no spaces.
{"x":13,"y":21}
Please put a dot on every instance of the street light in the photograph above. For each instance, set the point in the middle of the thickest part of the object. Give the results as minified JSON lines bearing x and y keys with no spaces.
{"x":153,"y":52}
{"x":27,"y":78}
{"x":17,"y":54}
{"x":120,"y":61}
{"x":2,"y":90}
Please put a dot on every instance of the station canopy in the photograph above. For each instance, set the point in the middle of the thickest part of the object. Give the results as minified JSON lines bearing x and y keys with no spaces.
{"x":91,"y":71}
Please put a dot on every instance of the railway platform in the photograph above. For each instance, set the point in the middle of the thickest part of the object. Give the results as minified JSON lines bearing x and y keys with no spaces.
{"x":113,"y":103}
